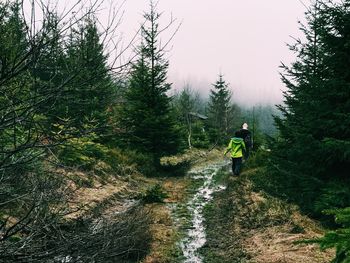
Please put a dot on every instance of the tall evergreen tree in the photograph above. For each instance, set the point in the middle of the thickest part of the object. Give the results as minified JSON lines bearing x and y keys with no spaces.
{"x":90,"y":92}
{"x":146,"y":114}
{"x":17,"y":108}
{"x":312,"y":153}
{"x":219,"y":107}
{"x":49,"y":70}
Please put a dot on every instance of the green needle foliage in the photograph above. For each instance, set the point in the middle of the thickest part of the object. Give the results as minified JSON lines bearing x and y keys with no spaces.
{"x":154,"y":194}
{"x":219,"y":108}
{"x":146,"y":114}
{"x":91,"y":90}
{"x":340,"y":238}
{"x":56,"y":91}
{"x":312,"y":151}
{"x":314,"y":135}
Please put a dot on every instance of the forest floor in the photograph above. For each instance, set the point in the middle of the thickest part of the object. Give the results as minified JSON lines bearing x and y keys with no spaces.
{"x":241,"y":225}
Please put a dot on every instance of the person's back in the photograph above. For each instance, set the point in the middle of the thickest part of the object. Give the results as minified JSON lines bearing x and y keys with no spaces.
{"x":236,"y":148}
{"x":246,"y":135}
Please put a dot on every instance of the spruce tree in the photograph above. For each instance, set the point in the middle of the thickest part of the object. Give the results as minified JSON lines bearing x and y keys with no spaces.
{"x":146,"y":114}
{"x":18,"y":125}
{"x":90,"y":90}
{"x":219,"y":108}
{"x":312,"y":152}
{"x":49,"y":71}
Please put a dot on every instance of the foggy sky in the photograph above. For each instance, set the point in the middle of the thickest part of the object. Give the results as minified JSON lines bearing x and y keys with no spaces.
{"x":243,"y":40}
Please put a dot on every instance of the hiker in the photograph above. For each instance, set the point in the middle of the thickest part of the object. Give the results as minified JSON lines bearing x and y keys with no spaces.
{"x":236,"y":147}
{"x":246,"y":135}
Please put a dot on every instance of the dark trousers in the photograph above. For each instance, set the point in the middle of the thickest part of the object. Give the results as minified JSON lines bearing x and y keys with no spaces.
{"x":236,"y":165}
{"x":246,"y":154}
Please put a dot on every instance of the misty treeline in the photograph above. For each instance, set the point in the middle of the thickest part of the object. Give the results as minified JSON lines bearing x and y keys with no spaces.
{"x":309,"y":163}
{"x":69,"y":102}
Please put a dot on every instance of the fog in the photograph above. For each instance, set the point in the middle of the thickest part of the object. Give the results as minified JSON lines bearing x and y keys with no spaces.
{"x":243,"y":40}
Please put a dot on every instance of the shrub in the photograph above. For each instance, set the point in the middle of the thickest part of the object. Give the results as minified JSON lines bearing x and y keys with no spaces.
{"x":125,"y":237}
{"x":145,"y":163}
{"x":88,"y":155}
{"x":82,"y":152}
{"x":258,"y":158}
{"x":154,"y":194}
{"x":199,"y":136}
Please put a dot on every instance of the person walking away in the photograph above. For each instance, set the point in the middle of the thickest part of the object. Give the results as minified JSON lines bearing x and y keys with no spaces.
{"x":246,"y":135}
{"x":236,"y":147}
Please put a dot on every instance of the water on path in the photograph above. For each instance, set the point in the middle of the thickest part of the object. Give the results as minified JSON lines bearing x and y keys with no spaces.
{"x":195,"y":236}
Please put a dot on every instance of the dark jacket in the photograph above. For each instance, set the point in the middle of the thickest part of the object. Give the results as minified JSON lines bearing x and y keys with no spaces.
{"x":246,"y":135}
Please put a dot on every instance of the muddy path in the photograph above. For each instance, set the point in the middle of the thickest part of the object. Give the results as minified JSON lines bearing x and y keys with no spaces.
{"x":212,"y":217}
{"x":188,"y":215}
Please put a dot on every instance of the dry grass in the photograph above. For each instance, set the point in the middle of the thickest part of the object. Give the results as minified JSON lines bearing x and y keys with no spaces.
{"x":248,"y":226}
{"x":196,"y":157}
{"x":264,"y":229}
{"x":274,"y":245}
{"x":279,"y":240}
{"x":277,"y":244}
{"x":176,"y":189}
{"x":87,"y":191}
{"x":163,"y":235}
{"x":86,"y":199}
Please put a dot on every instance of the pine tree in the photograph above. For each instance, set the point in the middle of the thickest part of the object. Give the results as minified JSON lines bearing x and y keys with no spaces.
{"x":146,"y":114}
{"x":301,"y":109}
{"x":219,"y":108}
{"x":49,"y":71}
{"x":314,"y":134}
{"x":90,"y":91}
{"x":339,"y":238}
{"x":18,"y":127}
{"x":312,"y":153}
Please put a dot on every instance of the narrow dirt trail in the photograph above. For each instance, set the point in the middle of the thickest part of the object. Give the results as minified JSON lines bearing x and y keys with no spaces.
{"x":178,"y":228}
{"x":211,"y":217}
{"x":194,"y":235}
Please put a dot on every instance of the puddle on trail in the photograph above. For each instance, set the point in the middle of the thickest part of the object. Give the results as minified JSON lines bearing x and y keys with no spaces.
{"x":195,"y":236}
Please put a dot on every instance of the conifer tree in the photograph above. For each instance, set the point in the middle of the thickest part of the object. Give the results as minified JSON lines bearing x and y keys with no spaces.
{"x":218,"y":111}
{"x":49,"y":70}
{"x":146,"y":114}
{"x":314,"y":133}
{"x":312,"y":153}
{"x":90,"y":91}
{"x":17,"y":121}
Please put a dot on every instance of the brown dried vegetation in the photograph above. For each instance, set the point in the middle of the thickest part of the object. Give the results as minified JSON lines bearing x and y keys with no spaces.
{"x":246,"y":226}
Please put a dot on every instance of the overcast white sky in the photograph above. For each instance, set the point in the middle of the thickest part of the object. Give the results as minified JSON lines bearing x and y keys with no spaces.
{"x":244,"y":40}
